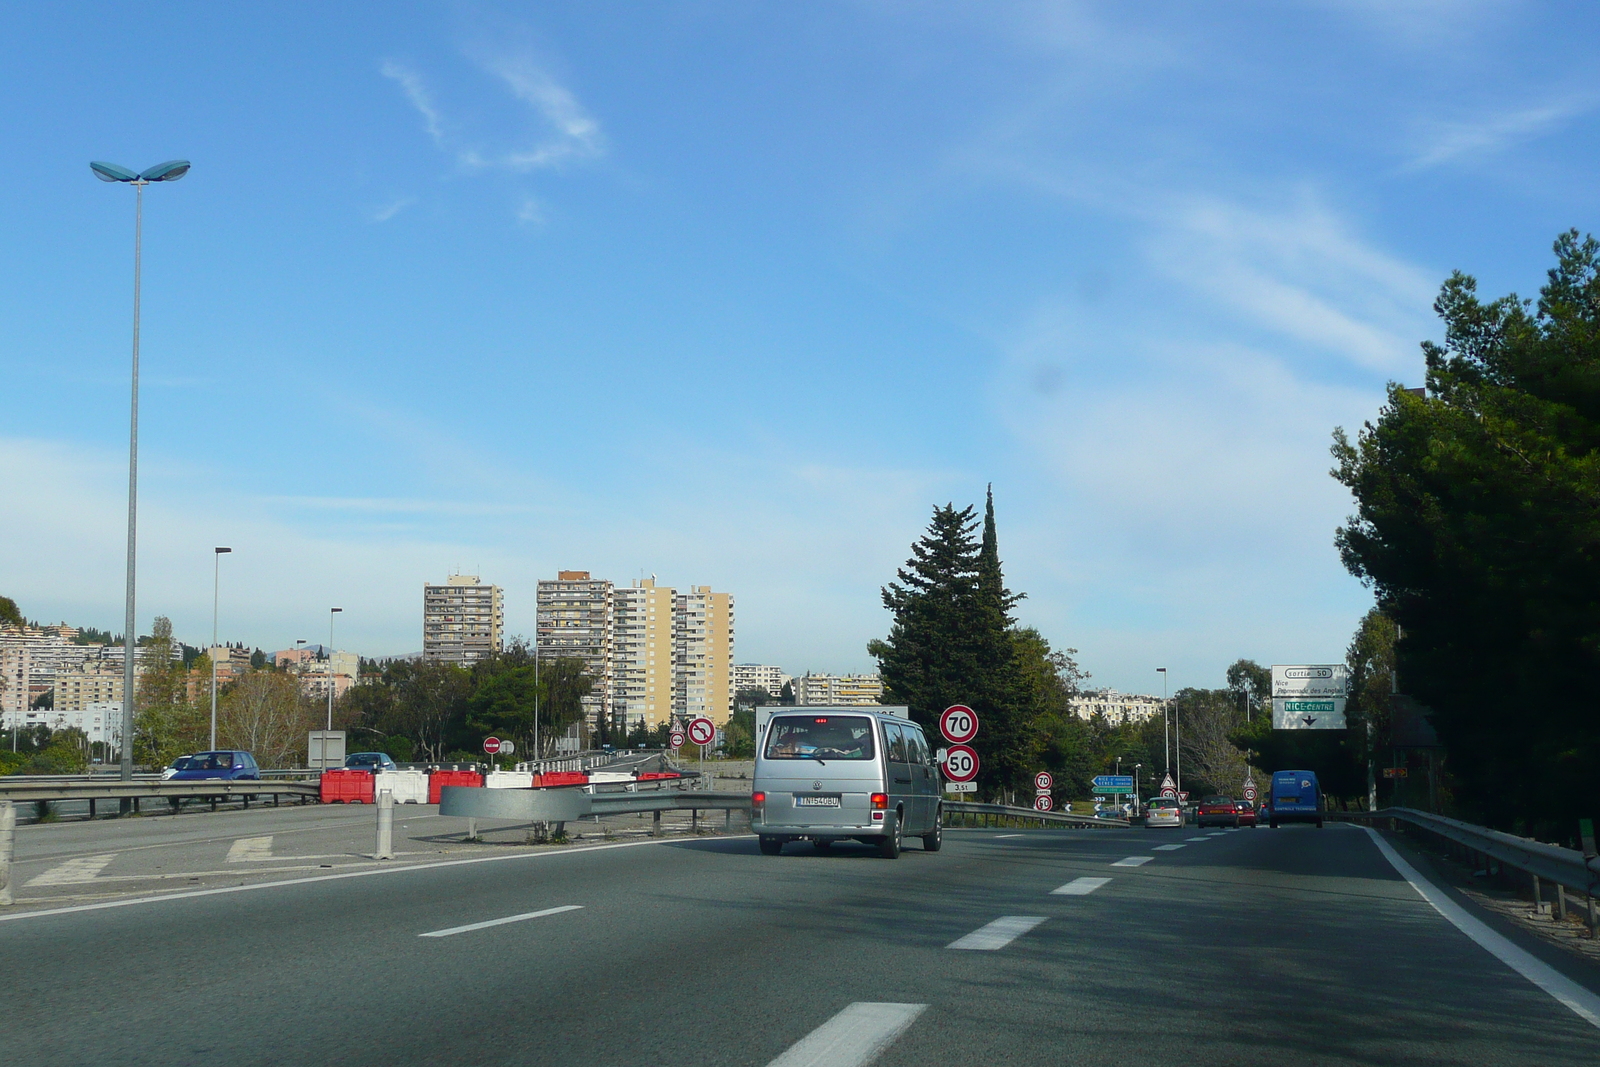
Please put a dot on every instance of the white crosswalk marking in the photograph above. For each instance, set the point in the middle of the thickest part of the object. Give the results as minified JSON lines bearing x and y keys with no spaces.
{"x":72,"y":872}
{"x":1079,"y":887}
{"x":250,"y":849}
{"x":1168,"y":848}
{"x":997,"y":934}
{"x":853,"y":1038}
{"x":1133,"y":861}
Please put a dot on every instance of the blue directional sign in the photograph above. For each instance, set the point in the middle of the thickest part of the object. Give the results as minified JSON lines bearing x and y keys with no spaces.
{"x":1114,"y":783}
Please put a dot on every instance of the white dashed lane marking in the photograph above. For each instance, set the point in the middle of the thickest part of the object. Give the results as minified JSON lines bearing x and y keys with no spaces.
{"x":452,"y":931}
{"x":1167,"y":848}
{"x":997,"y":934}
{"x":1079,"y":887}
{"x":855,"y":1037}
{"x":1133,"y":861}
{"x":73,"y":872}
{"x":250,"y":850}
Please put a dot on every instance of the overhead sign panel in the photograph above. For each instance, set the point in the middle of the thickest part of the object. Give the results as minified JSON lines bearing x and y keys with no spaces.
{"x":1114,"y":783}
{"x":1325,"y":714}
{"x":1309,"y":681}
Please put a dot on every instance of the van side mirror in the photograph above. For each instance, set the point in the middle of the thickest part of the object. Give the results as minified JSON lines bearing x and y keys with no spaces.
{"x":940,"y":756}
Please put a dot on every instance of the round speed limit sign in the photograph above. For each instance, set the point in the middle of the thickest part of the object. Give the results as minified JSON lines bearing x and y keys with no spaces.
{"x":960,"y":763}
{"x":1042,"y":782}
{"x":1042,"y":802}
{"x":1249,"y":792}
{"x":959,"y":724}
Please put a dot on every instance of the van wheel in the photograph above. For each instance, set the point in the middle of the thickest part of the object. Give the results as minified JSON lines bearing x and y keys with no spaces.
{"x":822,"y":844}
{"x":932,"y":841}
{"x":771,"y":846}
{"x":889,"y":844}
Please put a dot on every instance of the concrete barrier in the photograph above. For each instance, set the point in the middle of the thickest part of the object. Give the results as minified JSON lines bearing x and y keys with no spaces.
{"x":509,"y":780}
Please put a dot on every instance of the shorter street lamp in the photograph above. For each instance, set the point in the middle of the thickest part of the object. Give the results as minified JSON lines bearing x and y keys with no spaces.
{"x":331,"y":613}
{"x":216,"y":576}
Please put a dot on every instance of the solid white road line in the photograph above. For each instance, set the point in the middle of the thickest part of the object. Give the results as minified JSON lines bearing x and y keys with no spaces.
{"x":1582,"y":1002}
{"x":250,"y":850}
{"x":1219,"y":833}
{"x":1002,"y":837}
{"x":501,"y":922}
{"x":1079,"y":887}
{"x":997,"y":934}
{"x":73,"y":872}
{"x":1133,"y":861}
{"x":375,"y":872}
{"x":855,"y":1037}
{"x":1168,"y":848}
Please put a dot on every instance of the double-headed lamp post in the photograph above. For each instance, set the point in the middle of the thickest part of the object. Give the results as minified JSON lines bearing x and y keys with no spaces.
{"x":331,"y":613}
{"x":110,"y":172}
{"x":216,"y":586}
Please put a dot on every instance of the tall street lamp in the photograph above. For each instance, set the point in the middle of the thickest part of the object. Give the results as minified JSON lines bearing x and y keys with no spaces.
{"x":1166,"y":722}
{"x":331,"y":613}
{"x":110,"y":172}
{"x":216,"y":576}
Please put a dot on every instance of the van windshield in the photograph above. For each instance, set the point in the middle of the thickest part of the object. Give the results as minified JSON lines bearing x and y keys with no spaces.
{"x":823,"y":737}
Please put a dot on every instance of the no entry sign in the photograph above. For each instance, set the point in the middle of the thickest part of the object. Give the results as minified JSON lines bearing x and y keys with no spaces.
{"x":491,"y":745}
{"x":702,"y":730}
{"x":677,"y":738}
{"x":959,"y":724}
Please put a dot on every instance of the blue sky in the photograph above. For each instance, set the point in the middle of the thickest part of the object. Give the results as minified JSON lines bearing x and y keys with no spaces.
{"x":733,"y":293}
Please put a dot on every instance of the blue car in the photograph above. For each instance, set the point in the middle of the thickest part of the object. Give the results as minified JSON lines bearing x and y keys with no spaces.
{"x":227,"y":766}
{"x":1295,"y":796}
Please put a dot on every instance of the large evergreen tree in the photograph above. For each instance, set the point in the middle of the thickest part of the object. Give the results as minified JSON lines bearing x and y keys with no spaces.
{"x":1478,"y":525}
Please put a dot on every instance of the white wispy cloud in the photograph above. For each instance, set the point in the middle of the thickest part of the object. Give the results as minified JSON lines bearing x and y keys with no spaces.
{"x":1446,"y":142}
{"x":417,"y":93}
{"x":567,"y":131}
{"x":388,"y":211}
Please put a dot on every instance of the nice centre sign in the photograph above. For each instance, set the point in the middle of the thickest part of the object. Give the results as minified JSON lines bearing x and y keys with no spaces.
{"x":1309,"y":696}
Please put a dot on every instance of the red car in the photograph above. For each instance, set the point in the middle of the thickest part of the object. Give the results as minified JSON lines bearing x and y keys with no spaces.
{"x":1217,"y":811}
{"x":1247,"y":814}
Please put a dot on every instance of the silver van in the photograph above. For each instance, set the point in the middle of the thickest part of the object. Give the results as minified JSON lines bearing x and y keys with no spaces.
{"x":836,"y":774}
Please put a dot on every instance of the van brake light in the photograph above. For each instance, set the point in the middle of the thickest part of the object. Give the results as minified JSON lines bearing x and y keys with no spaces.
{"x":758,"y":799}
{"x":880,"y":801}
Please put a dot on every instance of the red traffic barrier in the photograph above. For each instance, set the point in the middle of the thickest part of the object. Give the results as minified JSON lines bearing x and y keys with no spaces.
{"x":560,"y":778}
{"x":346,"y":787}
{"x":650,"y":776}
{"x":439,"y":779}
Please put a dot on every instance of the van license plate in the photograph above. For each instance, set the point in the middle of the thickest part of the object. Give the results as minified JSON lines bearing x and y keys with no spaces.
{"x":816,"y":802}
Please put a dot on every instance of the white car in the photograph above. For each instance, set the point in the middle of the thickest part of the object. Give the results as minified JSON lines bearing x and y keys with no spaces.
{"x":1162,"y":811}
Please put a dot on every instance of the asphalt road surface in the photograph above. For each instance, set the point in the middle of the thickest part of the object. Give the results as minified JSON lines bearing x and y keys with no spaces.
{"x":1297,"y":946}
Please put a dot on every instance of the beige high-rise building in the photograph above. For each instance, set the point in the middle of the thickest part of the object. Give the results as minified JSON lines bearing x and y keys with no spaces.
{"x":463,"y":620}
{"x":703,"y":654}
{"x":851,"y":690}
{"x":76,"y":690}
{"x":759,"y":676}
{"x":575,"y":620}
{"x":641,"y":653}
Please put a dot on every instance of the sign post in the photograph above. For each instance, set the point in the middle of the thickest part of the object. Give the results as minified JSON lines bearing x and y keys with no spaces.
{"x":959,"y":725}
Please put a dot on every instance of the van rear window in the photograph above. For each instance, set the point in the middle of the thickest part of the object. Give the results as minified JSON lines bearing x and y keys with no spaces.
{"x":824,"y":737}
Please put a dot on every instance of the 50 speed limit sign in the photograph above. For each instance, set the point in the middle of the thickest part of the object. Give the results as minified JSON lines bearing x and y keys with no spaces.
{"x":959,"y":724}
{"x":1042,"y":802}
{"x":960,"y":763}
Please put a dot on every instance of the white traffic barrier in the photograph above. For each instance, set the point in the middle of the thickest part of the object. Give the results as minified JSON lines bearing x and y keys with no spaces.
{"x":408,"y":787}
{"x":385,"y":849}
{"x":8,"y":836}
{"x":509,"y":780}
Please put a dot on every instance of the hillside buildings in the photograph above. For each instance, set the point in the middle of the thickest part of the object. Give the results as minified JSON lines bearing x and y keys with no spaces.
{"x":47,"y":661}
{"x":759,"y":676}
{"x":654,"y":652}
{"x":837,"y":690}
{"x":462,"y":620}
{"x":1119,"y":709}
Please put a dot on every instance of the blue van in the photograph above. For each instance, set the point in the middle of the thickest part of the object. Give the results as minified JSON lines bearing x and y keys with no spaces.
{"x":1295,"y":797}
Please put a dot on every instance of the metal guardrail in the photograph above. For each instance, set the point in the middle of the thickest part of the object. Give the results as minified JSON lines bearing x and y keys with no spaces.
{"x":22,"y":789}
{"x":1551,"y":863}
{"x":1059,"y":818}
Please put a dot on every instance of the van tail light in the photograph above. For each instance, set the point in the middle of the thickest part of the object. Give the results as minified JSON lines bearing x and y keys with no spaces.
{"x":880,"y":801}
{"x":758,"y":800}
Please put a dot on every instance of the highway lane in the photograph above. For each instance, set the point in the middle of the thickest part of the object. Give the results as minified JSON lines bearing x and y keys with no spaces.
{"x":1245,"y":947}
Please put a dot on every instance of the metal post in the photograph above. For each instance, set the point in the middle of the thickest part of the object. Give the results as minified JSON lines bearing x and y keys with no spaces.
{"x":1561,"y":903}
{"x":655,"y":829}
{"x":694,"y":820}
{"x":385,"y":849}
{"x":1593,"y":919}
{"x":727,"y":819}
{"x":472,"y":829}
{"x":129,"y":635}
{"x":8,"y":837}
{"x":331,"y":613}
{"x":216,"y":579}
{"x":1538,"y":898}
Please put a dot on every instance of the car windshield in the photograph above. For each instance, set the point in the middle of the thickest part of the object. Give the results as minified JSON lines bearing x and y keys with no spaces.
{"x":1217,"y":800}
{"x":183,"y":763}
{"x":1162,"y":802}
{"x":824,"y":737}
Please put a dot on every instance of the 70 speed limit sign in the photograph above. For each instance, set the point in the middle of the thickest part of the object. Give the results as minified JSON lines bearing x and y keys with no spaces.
{"x":959,"y":724}
{"x":960,"y":763}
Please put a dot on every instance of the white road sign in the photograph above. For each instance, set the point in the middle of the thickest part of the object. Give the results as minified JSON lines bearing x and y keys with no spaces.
{"x":1042,"y":782}
{"x":960,"y":764}
{"x":1310,"y":681}
{"x":1326,"y":713}
{"x":677,"y":739}
{"x":1250,"y":792}
{"x":702,"y":730}
{"x":959,"y":724}
{"x":961,"y":787}
{"x":1042,"y":802}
